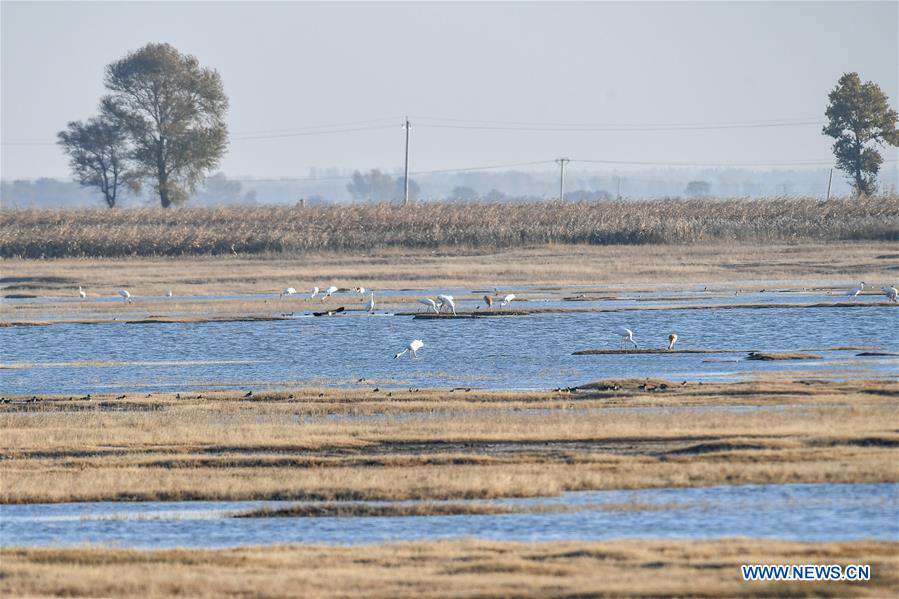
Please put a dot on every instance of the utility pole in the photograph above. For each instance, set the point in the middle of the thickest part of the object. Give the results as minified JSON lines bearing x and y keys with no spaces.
{"x":562,"y":162}
{"x":406,"y":126}
{"x":829,"y":181}
{"x":619,"y":186}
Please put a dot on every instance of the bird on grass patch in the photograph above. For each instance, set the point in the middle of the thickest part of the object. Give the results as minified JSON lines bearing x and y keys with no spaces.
{"x":126,"y":296}
{"x":414,"y":346}
{"x":329,"y":292}
{"x":508,"y":300}
{"x":288,"y":291}
{"x":446,"y":300}
{"x":891,"y":293}
{"x":431,"y":304}
{"x":626,"y":335}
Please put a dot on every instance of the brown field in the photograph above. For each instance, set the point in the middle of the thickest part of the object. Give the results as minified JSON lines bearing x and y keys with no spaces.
{"x":366,"y":444}
{"x":606,"y":271}
{"x":300,"y":230}
{"x":462,"y":568}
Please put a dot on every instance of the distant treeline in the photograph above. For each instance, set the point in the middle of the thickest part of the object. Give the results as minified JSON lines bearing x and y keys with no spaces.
{"x":374,"y":186}
{"x":301,"y":229}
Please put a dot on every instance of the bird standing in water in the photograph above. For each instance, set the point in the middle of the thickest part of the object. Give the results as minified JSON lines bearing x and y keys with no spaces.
{"x":672,"y":339}
{"x":413,"y":347}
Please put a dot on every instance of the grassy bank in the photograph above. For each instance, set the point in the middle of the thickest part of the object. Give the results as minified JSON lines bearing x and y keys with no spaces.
{"x":367,"y":444}
{"x":448,"y":568}
{"x":301,"y":230}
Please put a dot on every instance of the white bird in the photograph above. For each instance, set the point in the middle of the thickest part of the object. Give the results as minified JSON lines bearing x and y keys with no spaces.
{"x":370,"y":306}
{"x":125,"y":295}
{"x":626,"y":335}
{"x":447,"y":300}
{"x":431,"y":304}
{"x":413,"y":347}
{"x":314,"y":292}
{"x":288,"y":291}
{"x":508,"y":299}
{"x":329,"y":292}
{"x":360,"y":290}
{"x":168,"y":293}
{"x":853,"y":293}
{"x":81,"y":292}
{"x":672,"y":339}
{"x":891,"y":293}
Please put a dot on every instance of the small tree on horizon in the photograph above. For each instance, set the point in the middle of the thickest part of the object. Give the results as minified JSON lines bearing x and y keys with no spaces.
{"x":698,"y":189}
{"x":98,"y":156}
{"x":861,"y":120}
{"x":174,"y":113}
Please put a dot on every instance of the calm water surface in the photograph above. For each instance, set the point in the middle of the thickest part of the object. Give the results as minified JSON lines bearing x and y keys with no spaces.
{"x":520,"y":352}
{"x":817,"y":512}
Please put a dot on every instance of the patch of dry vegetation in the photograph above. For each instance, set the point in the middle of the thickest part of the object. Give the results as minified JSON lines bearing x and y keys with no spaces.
{"x":328,"y":445}
{"x":447,"y":568}
{"x":39,"y":233}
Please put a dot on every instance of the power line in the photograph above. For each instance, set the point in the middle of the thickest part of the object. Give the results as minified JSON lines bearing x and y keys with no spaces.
{"x":700,"y":164}
{"x":308,"y":127}
{"x":785,"y":120}
{"x":306,"y":133}
{"x":619,"y":128}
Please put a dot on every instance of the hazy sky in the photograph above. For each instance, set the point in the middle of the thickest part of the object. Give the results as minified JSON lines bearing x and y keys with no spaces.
{"x":291,"y":65}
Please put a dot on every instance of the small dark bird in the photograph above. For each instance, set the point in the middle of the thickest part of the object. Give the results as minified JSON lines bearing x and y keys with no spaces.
{"x":120,"y":397}
{"x":249,"y":394}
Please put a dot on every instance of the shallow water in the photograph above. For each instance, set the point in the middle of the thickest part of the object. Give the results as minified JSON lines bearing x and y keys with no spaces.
{"x":499,"y":353}
{"x":817,"y":512}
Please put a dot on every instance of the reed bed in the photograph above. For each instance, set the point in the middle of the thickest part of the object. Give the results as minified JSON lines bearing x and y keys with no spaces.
{"x":38,"y":233}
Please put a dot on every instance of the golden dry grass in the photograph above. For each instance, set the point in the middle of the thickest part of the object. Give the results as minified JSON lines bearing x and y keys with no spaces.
{"x":271,"y":229}
{"x":441,"y":445}
{"x":607,"y":270}
{"x":447,"y":569}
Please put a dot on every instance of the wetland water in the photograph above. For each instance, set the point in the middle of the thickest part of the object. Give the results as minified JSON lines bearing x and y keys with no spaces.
{"x":808,"y":512}
{"x":500,"y":353}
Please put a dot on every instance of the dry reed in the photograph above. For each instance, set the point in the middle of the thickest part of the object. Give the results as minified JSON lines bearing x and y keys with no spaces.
{"x":39,"y":233}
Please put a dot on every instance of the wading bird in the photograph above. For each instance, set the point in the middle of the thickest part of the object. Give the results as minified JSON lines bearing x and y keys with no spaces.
{"x":853,"y":293}
{"x":431,"y":304}
{"x":169,"y":293}
{"x":508,"y":299}
{"x":329,"y":292}
{"x":489,"y":301}
{"x":672,"y":339}
{"x":314,"y":292}
{"x":126,"y":297}
{"x":626,"y":335}
{"x":288,"y":291}
{"x":81,"y":292}
{"x":360,"y":290}
{"x":891,"y":293}
{"x":413,"y":347}
{"x":447,"y":300}
{"x":370,"y":306}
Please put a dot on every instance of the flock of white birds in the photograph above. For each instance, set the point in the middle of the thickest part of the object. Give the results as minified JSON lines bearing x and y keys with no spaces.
{"x":442,"y":301}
